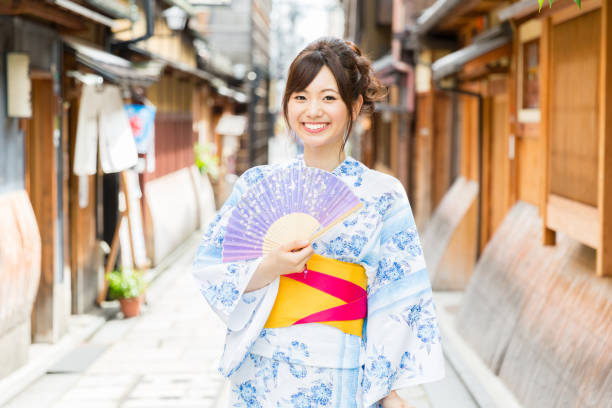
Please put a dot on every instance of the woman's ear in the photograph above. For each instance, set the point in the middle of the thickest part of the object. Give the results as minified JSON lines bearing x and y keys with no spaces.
{"x":357,"y":107}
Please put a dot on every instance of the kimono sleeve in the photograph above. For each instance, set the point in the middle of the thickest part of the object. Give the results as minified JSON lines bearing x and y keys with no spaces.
{"x":402,"y":333}
{"x":223,"y":284}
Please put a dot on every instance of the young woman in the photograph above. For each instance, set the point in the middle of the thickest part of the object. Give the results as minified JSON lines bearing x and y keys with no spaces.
{"x":271,"y":360}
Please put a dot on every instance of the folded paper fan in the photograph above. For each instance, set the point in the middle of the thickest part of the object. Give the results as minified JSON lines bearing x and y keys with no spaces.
{"x":300,"y":203}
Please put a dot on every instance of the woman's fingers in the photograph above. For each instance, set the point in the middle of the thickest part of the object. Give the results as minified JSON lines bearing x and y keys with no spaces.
{"x":299,"y":258}
{"x":294,"y":245}
{"x":306,"y":255}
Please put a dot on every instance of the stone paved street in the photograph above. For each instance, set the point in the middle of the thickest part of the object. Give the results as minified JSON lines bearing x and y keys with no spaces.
{"x":165,"y":358}
{"x":168,"y":358}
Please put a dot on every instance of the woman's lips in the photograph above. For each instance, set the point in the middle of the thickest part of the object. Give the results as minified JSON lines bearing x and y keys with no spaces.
{"x":317,"y":130}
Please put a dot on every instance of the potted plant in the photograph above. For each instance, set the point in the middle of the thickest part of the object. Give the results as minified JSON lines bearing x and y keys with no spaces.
{"x":127,"y":286}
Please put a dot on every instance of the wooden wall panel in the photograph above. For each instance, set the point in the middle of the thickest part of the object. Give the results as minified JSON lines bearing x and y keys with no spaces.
{"x":442,"y":134}
{"x":469,"y":138}
{"x":575,"y":109}
{"x":499,"y":189}
{"x":528,"y":169}
{"x":174,"y":134}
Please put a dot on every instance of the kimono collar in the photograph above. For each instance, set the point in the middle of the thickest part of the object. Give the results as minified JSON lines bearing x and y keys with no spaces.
{"x":337,"y":171}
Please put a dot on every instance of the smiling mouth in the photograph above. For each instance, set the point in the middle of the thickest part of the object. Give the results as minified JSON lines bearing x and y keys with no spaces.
{"x":315,"y":127}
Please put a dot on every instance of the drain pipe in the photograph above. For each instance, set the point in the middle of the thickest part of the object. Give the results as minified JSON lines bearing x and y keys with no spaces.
{"x":149,"y":9}
{"x":480,"y":138}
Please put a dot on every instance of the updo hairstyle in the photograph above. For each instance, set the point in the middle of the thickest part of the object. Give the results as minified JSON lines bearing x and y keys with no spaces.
{"x":352,"y":70}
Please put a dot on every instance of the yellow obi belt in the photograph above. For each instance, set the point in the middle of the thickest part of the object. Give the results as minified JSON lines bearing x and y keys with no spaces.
{"x":328,"y":291}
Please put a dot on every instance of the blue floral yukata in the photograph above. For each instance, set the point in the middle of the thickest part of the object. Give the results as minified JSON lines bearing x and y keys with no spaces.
{"x":315,"y":365}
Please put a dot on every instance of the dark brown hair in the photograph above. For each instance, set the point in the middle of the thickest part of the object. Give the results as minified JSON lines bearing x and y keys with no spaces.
{"x":352,"y":70}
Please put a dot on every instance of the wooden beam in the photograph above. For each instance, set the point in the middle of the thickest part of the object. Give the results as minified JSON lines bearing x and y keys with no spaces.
{"x":487,"y":58}
{"x":578,"y":220}
{"x":604,"y":179}
{"x":548,"y":235}
{"x":42,"y":10}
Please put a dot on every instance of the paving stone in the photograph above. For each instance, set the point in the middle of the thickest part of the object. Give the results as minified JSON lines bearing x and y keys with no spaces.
{"x":44,"y":391}
{"x":86,"y":404}
{"x":171,"y":403}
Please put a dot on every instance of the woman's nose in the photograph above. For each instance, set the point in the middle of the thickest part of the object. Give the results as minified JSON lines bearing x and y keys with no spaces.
{"x":314,"y":109}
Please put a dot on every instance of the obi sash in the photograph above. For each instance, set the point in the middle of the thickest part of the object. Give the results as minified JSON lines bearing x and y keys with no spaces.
{"x":328,"y":291}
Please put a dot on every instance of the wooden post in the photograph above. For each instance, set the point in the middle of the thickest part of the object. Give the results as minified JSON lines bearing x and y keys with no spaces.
{"x":548,"y":235}
{"x":487,"y":164}
{"x":394,"y":136}
{"x":513,"y":117}
{"x":41,"y":168}
{"x":126,"y":194}
{"x":422,"y":155}
{"x":604,"y":181}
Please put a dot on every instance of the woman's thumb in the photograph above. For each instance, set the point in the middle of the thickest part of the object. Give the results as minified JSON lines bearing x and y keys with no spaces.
{"x":298,"y":244}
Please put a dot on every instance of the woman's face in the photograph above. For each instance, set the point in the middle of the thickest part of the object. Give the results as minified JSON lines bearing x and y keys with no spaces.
{"x":318,"y":114}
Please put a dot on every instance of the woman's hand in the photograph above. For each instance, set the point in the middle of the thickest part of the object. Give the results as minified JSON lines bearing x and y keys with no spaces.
{"x":393,"y":400}
{"x":288,"y":258}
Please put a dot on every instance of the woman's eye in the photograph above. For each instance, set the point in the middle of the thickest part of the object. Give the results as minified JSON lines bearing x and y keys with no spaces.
{"x":329,"y":98}
{"x":299,"y":98}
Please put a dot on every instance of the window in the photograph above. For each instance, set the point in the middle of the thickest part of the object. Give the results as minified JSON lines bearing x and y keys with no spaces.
{"x":528,"y":78}
{"x":531,"y":77}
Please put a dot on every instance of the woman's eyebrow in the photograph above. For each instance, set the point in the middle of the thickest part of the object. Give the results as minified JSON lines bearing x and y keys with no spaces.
{"x":321,"y":91}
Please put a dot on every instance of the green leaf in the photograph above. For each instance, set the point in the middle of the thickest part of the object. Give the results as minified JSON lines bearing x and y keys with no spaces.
{"x":125,"y":284}
{"x":550,"y":2}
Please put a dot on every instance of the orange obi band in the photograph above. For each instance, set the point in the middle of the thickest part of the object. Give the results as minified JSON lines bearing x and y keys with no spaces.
{"x":329,"y":291}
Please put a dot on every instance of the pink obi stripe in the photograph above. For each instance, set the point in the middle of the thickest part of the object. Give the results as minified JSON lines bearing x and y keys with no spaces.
{"x":356,"y":306}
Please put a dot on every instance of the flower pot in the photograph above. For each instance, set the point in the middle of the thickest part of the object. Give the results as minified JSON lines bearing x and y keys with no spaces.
{"x":130,"y":307}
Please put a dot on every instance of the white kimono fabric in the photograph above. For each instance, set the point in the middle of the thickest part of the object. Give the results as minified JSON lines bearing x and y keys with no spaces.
{"x":315,"y":365}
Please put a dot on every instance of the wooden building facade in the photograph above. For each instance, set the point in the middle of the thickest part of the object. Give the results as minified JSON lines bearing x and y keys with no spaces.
{"x":57,"y":223}
{"x":508,"y":176}
{"x":523,"y":228}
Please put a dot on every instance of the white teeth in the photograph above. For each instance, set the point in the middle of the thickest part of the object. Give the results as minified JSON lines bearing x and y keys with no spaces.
{"x":313,"y":126}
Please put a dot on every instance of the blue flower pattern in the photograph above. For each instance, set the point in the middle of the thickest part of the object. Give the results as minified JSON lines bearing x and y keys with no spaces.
{"x":421,"y":319}
{"x":248,"y":395}
{"x":352,"y":169}
{"x":407,"y":240}
{"x":316,"y":387}
{"x":379,"y":372}
{"x":344,"y":247}
{"x":224,"y":295}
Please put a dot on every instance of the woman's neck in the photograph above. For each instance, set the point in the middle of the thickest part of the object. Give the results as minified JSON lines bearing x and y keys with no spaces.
{"x":326,"y":160}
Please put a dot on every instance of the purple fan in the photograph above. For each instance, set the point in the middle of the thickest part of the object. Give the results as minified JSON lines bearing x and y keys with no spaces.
{"x":299,"y":203}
